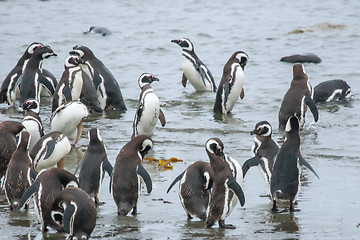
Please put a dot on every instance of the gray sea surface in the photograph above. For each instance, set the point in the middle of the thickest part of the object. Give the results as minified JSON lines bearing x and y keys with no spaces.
{"x":328,"y":208}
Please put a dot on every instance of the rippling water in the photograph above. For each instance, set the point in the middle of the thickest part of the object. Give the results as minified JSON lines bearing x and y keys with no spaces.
{"x":140,"y":42}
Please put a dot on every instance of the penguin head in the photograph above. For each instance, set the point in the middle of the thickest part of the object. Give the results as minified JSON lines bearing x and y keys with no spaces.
{"x":24,"y":141}
{"x":146,"y":146}
{"x":12,"y":127}
{"x":44,"y":52}
{"x":31,"y":104}
{"x":33,"y":46}
{"x":73,"y":60}
{"x":146,"y":78}
{"x":94,"y":135}
{"x":215,"y":146}
{"x":292,"y":124}
{"x":300,"y":77}
{"x":184,"y":43}
{"x":241,"y":57}
{"x":262,"y":128}
{"x":82,"y":51}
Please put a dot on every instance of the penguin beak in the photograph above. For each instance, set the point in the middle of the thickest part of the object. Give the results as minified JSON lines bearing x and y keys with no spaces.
{"x":176,"y":41}
{"x":154,"y":79}
{"x":74,"y":53}
{"x":255,"y":131}
{"x":80,"y":60}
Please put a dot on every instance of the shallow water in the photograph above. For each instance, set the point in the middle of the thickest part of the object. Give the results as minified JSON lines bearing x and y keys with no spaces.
{"x":140,"y":42}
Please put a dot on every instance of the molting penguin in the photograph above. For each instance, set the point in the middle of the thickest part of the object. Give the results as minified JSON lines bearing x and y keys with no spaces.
{"x":30,"y":78}
{"x":224,"y":182}
{"x":32,"y":121}
{"x":285,"y":178}
{"x":18,"y":174}
{"x":332,"y":90}
{"x":194,"y":69}
{"x":231,"y":84}
{"x":8,"y":131}
{"x":296,"y":99}
{"x":50,"y":151}
{"x":108,"y":90}
{"x":47,"y":185}
{"x":301,"y":58}
{"x":148,"y":110}
{"x":127,"y":173}
{"x":264,"y":151}
{"x":75,"y":211}
{"x":98,"y":30}
{"x":93,"y":165}
{"x":194,"y":188}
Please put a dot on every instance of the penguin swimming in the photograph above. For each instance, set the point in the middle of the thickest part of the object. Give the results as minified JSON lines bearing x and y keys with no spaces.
{"x":224,"y":182}
{"x":93,"y":165}
{"x":148,"y":110}
{"x":125,"y":181}
{"x":98,"y":30}
{"x":231,"y":84}
{"x":285,"y":178}
{"x":330,"y":90}
{"x":297,"y":98}
{"x":108,"y":90}
{"x":194,"y":69}
{"x":301,"y":58}
{"x":194,"y":188}
{"x":74,"y":210}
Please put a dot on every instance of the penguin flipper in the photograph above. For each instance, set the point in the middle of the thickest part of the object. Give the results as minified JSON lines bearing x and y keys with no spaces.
{"x":97,"y":81}
{"x":312,"y":105}
{"x":68,"y":214}
{"x":50,"y":146}
{"x":46,"y":83}
{"x":184,"y":80}
{"x":202,"y":73}
{"x":236,"y":188}
{"x":303,"y":162}
{"x":66,"y":92}
{"x":29,"y":193}
{"x":107,"y":167}
{"x":146,"y":177}
{"x":79,"y":165}
{"x":175,"y":181}
{"x":254,"y":161}
{"x":242,"y":94}
{"x":226,"y":90}
{"x":33,"y":174}
{"x":162,"y":118}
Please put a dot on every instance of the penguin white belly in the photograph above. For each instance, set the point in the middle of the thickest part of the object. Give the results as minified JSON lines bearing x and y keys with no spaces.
{"x":226,"y":209}
{"x":266,"y":173}
{"x":150,"y":115}
{"x":236,"y":170}
{"x":77,"y":85}
{"x":101,"y":94}
{"x":32,"y":126}
{"x":193,"y":75}
{"x":236,"y":89}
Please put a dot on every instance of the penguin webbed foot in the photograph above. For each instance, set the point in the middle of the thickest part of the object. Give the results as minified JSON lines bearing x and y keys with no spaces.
{"x":189,"y":217}
{"x":274,"y":207}
{"x":226,"y":226}
{"x":134,"y":212}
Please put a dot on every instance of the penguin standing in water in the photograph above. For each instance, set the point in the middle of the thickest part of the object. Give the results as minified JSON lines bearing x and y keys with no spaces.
{"x":224,"y":182}
{"x":297,"y":98}
{"x":231,"y":84}
{"x":75,"y":211}
{"x":194,"y":69}
{"x":264,"y":151}
{"x":148,"y":110}
{"x":18,"y":174}
{"x":93,"y":165}
{"x":285,"y":178}
{"x":47,"y":185}
{"x":108,"y":90}
{"x":194,"y":190}
{"x":125,"y":181}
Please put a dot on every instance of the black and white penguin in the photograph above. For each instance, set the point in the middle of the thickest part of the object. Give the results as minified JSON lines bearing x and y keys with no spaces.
{"x":8,"y":87}
{"x":75,"y":211}
{"x":231,"y":84}
{"x":50,"y":151}
{"x":285,"y":178}
{"x":18,"y":174}
{"x":330,"y":90}
{"x":297,"y":98}
{"x":48,"y":83}
{"x":8,"y":131}
{"x":264,"y":151}
{"x":148,"y":110}
{"x":194,"y":188}
{"x":93,"y":165}
{"x":32,"y":121}
{"x":30,"y":78}
{"x":47,"y":185}
{"x":125,"y":181}
{"x":99,"y":30}
{"x":67,"y":119}
{"x":194,"y":69}
{"x":301,"y":58}
{"x":108,"y":90}
{"x":224,"y":183}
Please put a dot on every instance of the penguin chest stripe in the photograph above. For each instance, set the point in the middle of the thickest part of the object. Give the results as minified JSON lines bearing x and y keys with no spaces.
{"x":226,"y":208}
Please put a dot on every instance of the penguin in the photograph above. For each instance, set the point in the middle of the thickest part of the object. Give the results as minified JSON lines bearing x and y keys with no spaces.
{"x":48,"y":83}
{"x":32,"y":121}
{"x":148,"y":110}
{"x":297,"y":98}
{"x":108,"y":89}
{"x":264,"y":151}
{"x":18,"y":174}
{"x":88,"y":95}
{"x":285,"y":178}
{"x":194,"y":189}
{"x":301,"y":58}
{"x":125,"y":181}
{"x":103,"y":31}
{"x":93,"y":165}
{"x":224,"y":182}
{"x":48,"y":183}
{"x":75,"y":211}
{"x":8,"y":131}
{"x":194,"y":69}
{"x":67,"y":119}
{"x":50,"y":151}
{"x":231,"y":84}
{"x":330,"y":90}
{"x":30,"y":78}
{"x":8,"y":87}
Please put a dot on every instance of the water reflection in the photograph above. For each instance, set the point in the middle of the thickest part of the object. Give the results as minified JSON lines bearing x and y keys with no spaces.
{"x":284,"y":222}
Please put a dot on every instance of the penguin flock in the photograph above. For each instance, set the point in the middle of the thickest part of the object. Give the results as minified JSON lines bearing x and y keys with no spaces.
{"x":32,"y":161}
